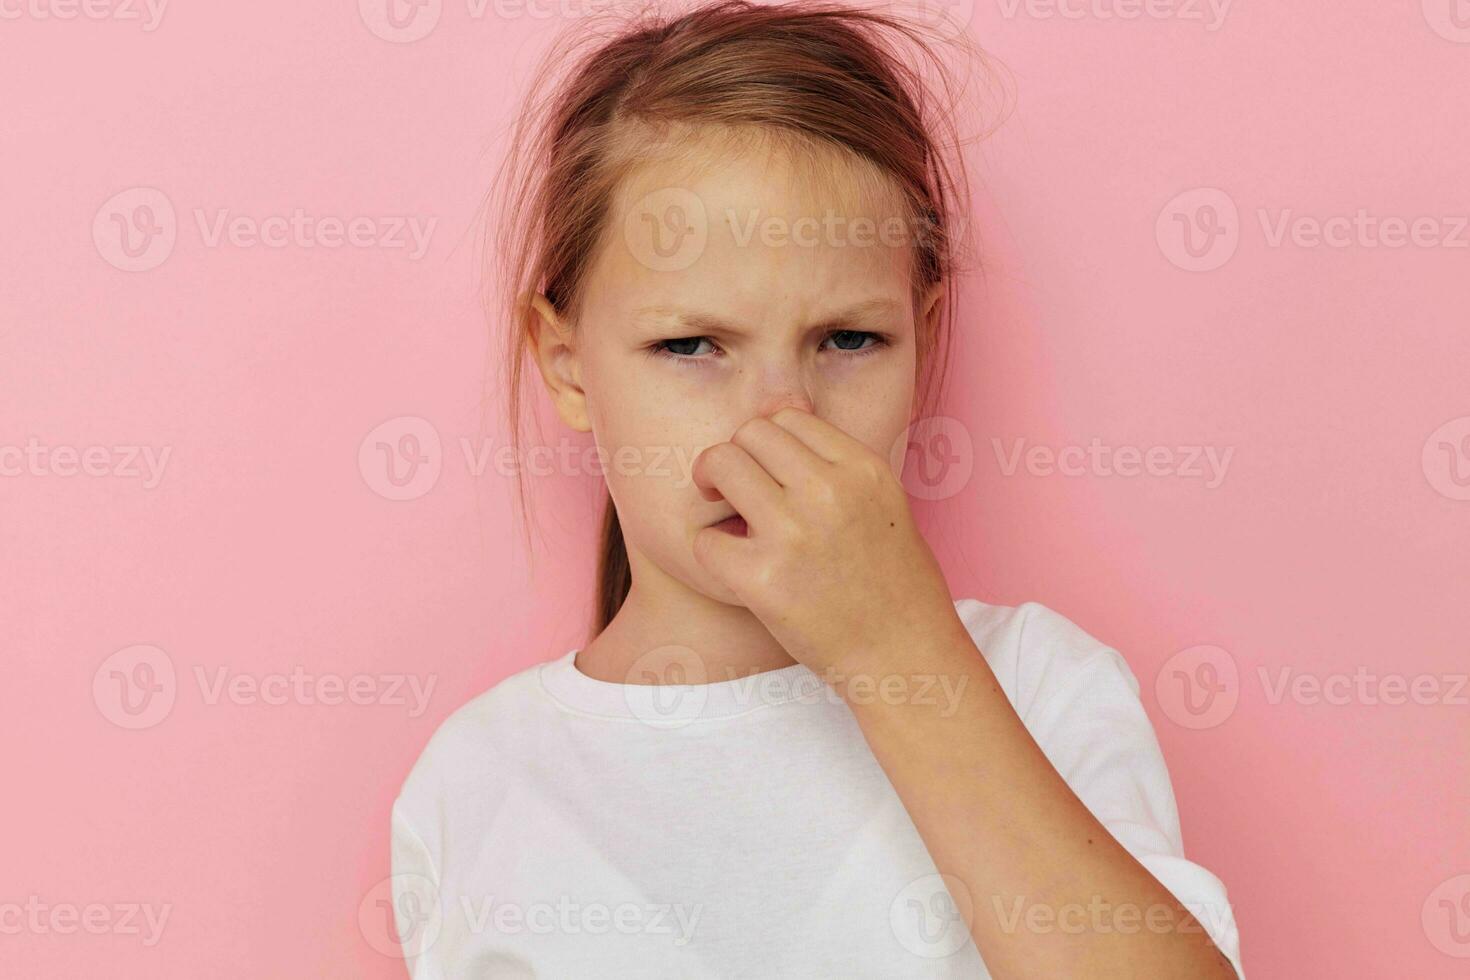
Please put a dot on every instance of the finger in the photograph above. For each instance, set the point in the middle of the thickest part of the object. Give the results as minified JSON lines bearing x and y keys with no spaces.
{"x":734,"y":474}
{"x":728,"y":557}
{"x":779,"y":451}
{"x":824,"y":438}
{"x":725,"y":555}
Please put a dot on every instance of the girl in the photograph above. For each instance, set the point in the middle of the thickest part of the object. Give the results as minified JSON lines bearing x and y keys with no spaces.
{"x":785,"y":750}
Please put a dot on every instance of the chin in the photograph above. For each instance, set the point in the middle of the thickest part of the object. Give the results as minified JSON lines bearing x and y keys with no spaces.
{"x":706,"y":584}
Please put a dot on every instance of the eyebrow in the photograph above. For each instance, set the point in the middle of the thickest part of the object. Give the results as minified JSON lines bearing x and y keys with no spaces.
{"x":699,"y":323}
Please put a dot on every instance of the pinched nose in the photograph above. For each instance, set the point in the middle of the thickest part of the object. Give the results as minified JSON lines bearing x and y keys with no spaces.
{"x":782,"y":386}
{"x":799,"y":400}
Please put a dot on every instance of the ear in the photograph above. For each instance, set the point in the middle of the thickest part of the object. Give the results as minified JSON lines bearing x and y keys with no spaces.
{"x":932,"y":306}
{"x":553,"y":345}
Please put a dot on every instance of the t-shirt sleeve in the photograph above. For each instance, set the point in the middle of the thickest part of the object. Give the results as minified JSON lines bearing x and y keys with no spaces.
{"x":415,"y":897}
{"x":1079,"y":700}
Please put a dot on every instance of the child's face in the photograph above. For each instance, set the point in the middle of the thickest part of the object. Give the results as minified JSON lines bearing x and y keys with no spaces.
{"x":641,"y":378}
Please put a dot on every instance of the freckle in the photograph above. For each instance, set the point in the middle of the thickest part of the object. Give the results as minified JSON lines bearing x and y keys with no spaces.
{"x":1089,"y":840}
{"x":890,"y":523}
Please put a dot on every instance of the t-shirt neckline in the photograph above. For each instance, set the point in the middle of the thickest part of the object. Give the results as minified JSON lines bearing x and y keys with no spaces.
{"x":676,"y":704}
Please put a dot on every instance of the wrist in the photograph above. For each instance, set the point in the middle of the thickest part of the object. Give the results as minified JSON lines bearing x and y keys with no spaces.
{"x":921,"y":653}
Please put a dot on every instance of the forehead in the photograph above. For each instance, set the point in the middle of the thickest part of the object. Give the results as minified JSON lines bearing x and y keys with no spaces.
{"x":752,"y":230}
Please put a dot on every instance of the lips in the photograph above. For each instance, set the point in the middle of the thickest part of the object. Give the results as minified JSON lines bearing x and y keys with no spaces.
{"x":734,"y":524}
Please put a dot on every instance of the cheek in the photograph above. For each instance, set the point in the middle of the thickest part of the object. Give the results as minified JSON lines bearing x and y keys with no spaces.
{"x":873,"y":406}
{"x":624,"y":411}
{"x":649,"y":445}
{"x":649,"y":421}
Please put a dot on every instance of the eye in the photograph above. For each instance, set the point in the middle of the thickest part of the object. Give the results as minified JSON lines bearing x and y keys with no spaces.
{"x":686,"y":350}
{"x":845,"y":337}
{"x":677,"y":349}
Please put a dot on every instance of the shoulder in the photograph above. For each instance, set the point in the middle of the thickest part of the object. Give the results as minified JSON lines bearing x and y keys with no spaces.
{"x":1080,"y":701}
{"x":1037,"y":653}
{"x":471,"y":748}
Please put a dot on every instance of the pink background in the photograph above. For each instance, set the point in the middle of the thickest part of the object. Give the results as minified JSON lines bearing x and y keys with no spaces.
{"x":1337,"y":544}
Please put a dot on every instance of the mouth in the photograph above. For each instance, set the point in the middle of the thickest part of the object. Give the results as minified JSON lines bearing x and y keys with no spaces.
{"x":734,"y":524}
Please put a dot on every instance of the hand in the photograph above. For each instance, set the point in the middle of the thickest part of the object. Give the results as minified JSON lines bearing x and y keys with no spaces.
{"x":833,"y":563}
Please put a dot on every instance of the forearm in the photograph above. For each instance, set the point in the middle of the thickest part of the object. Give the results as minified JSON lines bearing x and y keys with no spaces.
{"x":1052,"y":892}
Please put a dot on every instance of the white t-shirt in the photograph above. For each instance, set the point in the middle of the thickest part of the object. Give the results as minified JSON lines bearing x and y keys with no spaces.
{"x":559,"y":826}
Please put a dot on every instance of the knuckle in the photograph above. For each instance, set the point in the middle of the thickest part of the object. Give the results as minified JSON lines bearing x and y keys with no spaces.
{"x":790,"y":528}
{"x":751,"y":427}
{"x":873,"y":469}
{"x":823,"y":491}
{"x":716,"y":455}
{"x":766,"y":575}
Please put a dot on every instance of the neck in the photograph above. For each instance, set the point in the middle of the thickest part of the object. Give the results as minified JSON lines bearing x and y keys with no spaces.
{"x":728,"y":642}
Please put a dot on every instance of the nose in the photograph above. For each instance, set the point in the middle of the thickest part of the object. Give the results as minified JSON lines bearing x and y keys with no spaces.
{"x":780,"y":386}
